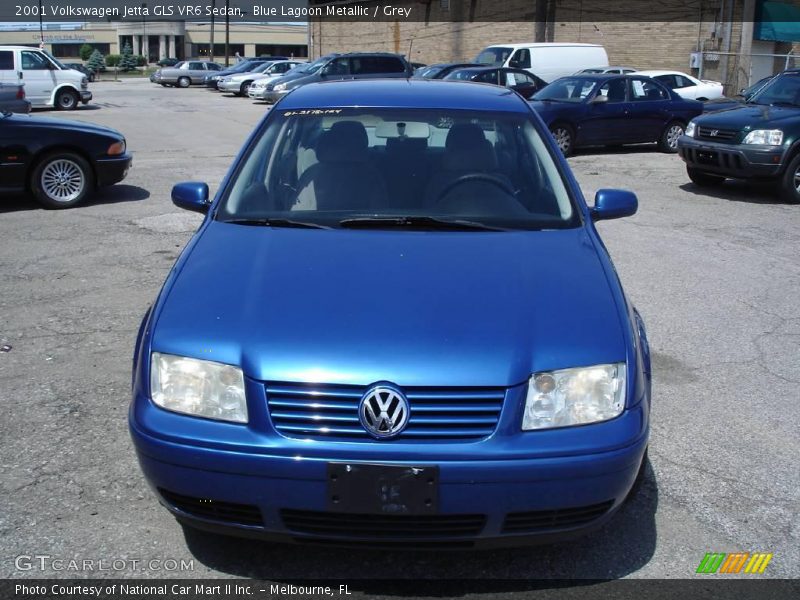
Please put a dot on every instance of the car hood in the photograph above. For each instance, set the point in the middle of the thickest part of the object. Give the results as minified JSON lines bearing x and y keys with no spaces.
{"x":548,"y":109}
{"x":414,"y":308}
{"x":51,"y":123}
{"x":750,"y":116}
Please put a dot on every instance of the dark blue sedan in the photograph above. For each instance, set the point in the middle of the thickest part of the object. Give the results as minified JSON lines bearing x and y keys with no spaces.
{"x":597,"y":110}
{"x":397,"y":324}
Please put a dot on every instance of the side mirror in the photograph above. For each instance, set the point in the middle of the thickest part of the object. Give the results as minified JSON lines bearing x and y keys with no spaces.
{"x":599,"y":99}
{"x":613,"y":204}
{"x":191,"y":195}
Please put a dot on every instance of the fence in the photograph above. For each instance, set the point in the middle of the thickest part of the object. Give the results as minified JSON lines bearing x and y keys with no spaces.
{"x":737,"y":71}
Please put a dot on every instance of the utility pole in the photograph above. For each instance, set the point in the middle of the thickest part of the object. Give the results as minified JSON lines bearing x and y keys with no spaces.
{"x":41,"y":26}
{"x":227,"y":32}
{"x":211,"y":48}
{"x":145,"y":42}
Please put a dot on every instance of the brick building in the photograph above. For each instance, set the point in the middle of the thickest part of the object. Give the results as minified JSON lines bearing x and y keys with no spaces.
{"x":733,"y":37}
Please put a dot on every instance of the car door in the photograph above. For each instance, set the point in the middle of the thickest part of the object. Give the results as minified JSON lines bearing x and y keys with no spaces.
{"x":39,"y":76}
{"x":606,"y":121}
{"x":196,"y":71}
{"x":14,"y":155}
{"x":649,"y":109}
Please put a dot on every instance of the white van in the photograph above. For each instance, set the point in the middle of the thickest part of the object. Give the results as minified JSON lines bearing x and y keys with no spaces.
{"x":546,"y":60}
{"x":47,"y":82}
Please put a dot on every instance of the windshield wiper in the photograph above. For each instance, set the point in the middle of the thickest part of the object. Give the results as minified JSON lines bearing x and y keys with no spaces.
{"x":274,"y":222}
{"x":416,"y":222}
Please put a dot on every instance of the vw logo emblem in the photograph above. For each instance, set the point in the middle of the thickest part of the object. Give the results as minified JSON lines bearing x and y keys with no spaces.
{"x":383,"y":412}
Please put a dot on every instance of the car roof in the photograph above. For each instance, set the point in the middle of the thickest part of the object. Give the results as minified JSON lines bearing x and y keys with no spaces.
{"x":405,"y":93}
{"x":660,"y":72}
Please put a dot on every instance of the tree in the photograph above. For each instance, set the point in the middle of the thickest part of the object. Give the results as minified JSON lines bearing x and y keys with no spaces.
{"x":85,"y":52}
{"x":127,"y":62}
{"x":96,"y":62}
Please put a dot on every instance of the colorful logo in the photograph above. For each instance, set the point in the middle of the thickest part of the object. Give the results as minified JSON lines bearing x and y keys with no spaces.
{"x":738,"y":562}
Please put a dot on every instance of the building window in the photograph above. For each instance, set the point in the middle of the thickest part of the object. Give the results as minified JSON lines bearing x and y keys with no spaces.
{"x":444,"y":4}
{"x":73,"y":50}
{"x":287,"y":50}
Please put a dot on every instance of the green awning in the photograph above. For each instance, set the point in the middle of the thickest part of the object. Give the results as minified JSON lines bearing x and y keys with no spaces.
{"x":778,"y":21}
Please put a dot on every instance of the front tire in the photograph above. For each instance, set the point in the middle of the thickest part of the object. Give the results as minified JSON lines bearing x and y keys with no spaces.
{"x":184,"y":82}
{"x":669,"y":137}
{"x":245,"y":88}
{"x":564,"y":137}
{"x":790,"y":182}
{"x":701,"y":179}
{"x":61,"y":180}
{"x":67,"y":100}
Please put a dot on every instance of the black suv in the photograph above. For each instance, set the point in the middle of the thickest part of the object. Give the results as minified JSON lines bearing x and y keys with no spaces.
{"x":332,"y":67}
{"x":758,"y":140}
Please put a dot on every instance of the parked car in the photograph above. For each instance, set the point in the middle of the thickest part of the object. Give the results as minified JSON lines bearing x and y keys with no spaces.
{"x":90,"y":75}
{"x":546,"y":60}
{"x":191,"y":72}
{"x":12,"y":99}
{"x":258,"y":89}
{"x":592,"y":110}
{"x":168,"y":62}
{"x":612,"y":70}
{"x":333,"y":67}
{"x":742,"y":97}
{"x":240,"y":83}
{"x":59,"y":161}
{"x":211,"y":79}
{"x":522,"y":82}
{"x":687,"y":86}
{"x":441,"y":70}
{"x":499,"y":400}
{"x":760,"y":140}
{"x":48,"y":83}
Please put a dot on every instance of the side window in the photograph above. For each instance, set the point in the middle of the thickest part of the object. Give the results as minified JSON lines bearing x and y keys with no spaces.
{"x":684,"y":82}
{"x":6,"y":60}
{"x":33,"y":61}
{"x":642,"y":89}
{"x":487,"y":77}
{"x":195,"y":66}
{"x":338,"y":66}
{"x":521,"y":59}
{"x":667,"y":80}
{"x":614,"y":90}
{"x":213,"y":66}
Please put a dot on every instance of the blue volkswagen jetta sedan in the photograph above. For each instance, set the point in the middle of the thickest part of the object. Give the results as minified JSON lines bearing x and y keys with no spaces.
{"x":396,"y":325}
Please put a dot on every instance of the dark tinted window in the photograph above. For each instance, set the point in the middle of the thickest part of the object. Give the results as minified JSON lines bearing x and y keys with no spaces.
{"x":366,"y":65}
{"x":487,"y":77}
{"x":196,"y":66}
{"x":521,"y":59}
{"x":667,"y":80}
{"x":337,"y":66}
{"x":684,"y":81}
{"x":213,"y":67}
{"x":614,"y":90}
{"x":6,"y":60}
{"x":646,"y":89}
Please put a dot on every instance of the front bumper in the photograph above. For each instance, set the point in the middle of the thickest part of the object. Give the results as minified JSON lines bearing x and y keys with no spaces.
{"x":228,"y":86}
{"x":272,"y":96}
{"x":112,"y":170}
{"x":256,"y":93}
{"x":86,"y":96}
{"x":274,"y":479}
{"x":732,"y":160}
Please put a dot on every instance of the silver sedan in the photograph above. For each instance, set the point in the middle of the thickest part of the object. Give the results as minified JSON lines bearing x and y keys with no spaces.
{"x":185,"y":74}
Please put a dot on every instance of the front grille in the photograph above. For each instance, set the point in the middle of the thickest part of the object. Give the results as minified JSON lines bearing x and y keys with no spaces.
{"x":387,"y":527}
{"x":716,"y":135}
{"x":214,"y":510}
{"x":543,"y":520}
{"x":436,"y":414}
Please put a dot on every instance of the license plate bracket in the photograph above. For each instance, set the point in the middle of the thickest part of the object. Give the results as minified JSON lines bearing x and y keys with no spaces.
{"x":382,"y":489}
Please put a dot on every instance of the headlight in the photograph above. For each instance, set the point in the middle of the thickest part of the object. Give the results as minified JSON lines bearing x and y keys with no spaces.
{"x":198,"y":387}
{"x":765,"y":137}
{"x":280,"y":87}
{"x":84,"y":82}
{"x":116,"y":148}
{"x":574,"y":396}
{"x":690,"y":129}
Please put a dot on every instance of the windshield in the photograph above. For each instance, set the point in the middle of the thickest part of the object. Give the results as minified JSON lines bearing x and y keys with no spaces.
{"x":494,"y":55}
{"x":462,"y":75}
{"x":567,"y":89}
{"x":429,"y":72}
{"x":783,"y":89}
{"x":390,"y":167}
{"x":59,"y":64}
{"x":313,"y":67}
{"x":244,"y":66}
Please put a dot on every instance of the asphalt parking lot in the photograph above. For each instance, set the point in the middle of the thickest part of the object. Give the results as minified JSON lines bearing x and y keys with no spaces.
{"x":715,"y":276}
